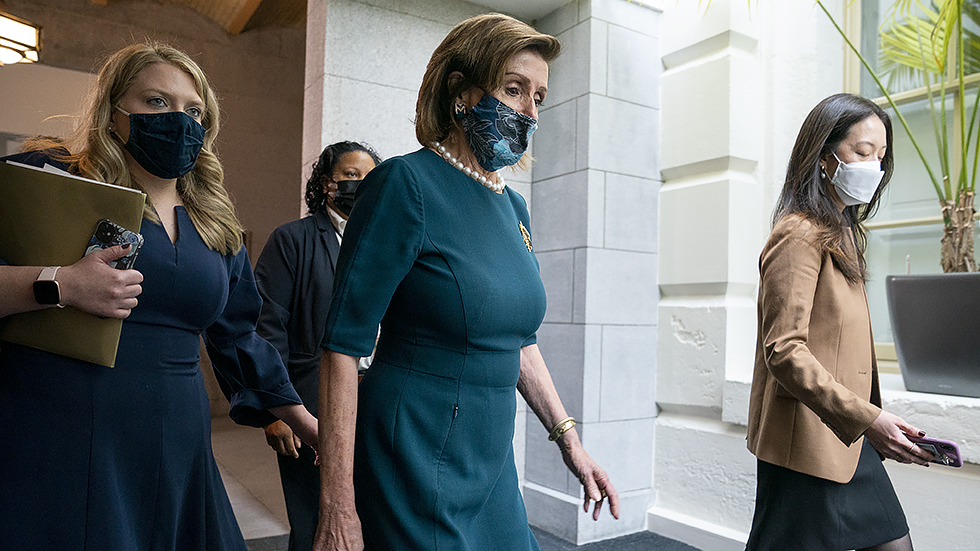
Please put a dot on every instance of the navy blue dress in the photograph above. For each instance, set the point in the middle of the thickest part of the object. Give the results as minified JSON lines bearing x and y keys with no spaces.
{"x":119,"y":459}
{"x":446,"y":266}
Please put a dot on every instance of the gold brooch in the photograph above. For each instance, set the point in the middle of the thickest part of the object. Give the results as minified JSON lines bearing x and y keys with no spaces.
{"x":525,"y":235}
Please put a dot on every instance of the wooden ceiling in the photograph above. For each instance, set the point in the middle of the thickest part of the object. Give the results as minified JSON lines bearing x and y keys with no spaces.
{"x":238,"y":16}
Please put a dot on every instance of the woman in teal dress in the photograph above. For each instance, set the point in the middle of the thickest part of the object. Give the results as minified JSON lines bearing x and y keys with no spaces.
{"x":437,"y":250}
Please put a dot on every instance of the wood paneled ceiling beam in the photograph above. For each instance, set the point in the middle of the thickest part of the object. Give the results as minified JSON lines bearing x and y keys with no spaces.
{"x":240,"y":18}
{"x":233,"y":15}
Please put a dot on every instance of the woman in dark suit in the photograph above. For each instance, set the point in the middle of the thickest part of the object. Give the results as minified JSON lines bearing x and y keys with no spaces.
{"x":815,"y":417}
{"x":294,"y":274}
{"x":437,"y":250}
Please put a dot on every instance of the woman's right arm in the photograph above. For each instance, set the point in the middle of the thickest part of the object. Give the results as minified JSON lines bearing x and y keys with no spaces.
{"x":790,"y":268}
{"x":90,"y":285}
{"x":339,"y":528}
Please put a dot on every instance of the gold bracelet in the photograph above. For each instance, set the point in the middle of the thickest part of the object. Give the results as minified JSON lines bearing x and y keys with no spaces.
{"x":561,"y":428}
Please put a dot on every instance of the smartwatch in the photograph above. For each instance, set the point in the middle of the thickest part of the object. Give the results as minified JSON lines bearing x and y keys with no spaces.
{"x":46,"y":289}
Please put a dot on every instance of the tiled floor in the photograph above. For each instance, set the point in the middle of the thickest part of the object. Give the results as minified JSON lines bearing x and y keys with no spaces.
{"x":251,"y":476}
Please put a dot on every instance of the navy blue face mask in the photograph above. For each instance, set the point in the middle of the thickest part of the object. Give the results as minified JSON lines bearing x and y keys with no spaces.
{"x":497,"y":134}
{"x":165,"y":144}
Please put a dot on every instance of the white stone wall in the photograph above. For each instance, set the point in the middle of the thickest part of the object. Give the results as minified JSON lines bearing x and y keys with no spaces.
{"x":364,"y":64}
{"x":737,"y":84}
{"x":594,"y":224}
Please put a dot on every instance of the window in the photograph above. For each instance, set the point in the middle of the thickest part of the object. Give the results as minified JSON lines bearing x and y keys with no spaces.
{"x":904,"y":236}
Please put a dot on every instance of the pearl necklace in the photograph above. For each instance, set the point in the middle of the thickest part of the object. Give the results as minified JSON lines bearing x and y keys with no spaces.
{"x":496,"y":187}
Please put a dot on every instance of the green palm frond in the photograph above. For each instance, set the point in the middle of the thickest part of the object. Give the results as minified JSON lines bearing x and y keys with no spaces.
{"x":912,"y":42}
{"x":916,"y":41}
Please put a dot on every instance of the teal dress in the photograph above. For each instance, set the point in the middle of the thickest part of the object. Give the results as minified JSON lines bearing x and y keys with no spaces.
{"x":445,"y":265}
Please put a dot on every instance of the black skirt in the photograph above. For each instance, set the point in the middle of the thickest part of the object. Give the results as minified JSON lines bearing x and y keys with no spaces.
{"x":802,"y":512}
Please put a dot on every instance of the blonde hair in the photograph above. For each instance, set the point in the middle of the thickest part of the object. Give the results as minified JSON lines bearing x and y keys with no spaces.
{"x":480,"y":49}
{"x":99,"y":154}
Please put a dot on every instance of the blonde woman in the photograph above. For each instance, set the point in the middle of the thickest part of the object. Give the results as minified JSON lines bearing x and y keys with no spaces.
{"x":120,"y":459}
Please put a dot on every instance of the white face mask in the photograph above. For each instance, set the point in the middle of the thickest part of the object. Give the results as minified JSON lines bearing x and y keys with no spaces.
{"x":857,"y":182}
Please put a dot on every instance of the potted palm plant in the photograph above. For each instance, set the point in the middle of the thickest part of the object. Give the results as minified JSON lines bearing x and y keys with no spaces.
{"x":936,"y":45}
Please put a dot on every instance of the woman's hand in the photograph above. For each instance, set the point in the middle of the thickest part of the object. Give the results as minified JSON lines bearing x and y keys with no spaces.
{"x":300,"y":421}
{"x":594,"y":479}
{"x":282,"y":439}
{"x":538,"y":389}
{"x":887,"y":434}
{"x":339,"y":528}
{"x":91,"y":285}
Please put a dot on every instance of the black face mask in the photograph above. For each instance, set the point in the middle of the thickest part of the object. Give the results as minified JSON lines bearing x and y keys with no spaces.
{"x":165,"y":144}
{"x":344,"y":199}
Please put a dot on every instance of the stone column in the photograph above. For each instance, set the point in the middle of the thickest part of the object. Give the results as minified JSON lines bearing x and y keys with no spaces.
{"x":738,"y":80}
{"x":711,"y":226}
{"x":594,"y":221}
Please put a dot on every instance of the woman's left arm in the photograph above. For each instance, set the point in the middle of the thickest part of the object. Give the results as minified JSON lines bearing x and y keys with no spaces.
{"x":249,"y":370}
{"x":538,"y":390}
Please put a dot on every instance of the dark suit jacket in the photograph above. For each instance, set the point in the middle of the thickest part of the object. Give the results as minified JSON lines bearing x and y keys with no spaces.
{"x":815,"y":386}
{"x":295,"y":278}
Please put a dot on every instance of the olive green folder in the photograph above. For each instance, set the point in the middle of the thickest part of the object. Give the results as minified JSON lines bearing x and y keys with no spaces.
{"x":47,"y":219}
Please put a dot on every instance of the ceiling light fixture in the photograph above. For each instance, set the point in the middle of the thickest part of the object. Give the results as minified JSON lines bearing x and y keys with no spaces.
{"x":19,"y":40}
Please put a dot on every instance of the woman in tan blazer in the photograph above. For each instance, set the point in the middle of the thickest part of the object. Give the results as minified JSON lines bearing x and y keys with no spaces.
{"x":815,"y":417}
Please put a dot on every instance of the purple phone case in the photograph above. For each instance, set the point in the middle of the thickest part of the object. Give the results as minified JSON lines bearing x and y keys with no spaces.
{"x":946,"y":452}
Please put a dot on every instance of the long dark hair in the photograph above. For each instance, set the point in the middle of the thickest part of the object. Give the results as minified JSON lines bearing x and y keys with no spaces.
{"x":316,"y":198}
{"x":805,"y":193}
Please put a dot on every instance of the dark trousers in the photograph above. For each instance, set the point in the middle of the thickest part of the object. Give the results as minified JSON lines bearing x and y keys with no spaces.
{"x":301,"y":488}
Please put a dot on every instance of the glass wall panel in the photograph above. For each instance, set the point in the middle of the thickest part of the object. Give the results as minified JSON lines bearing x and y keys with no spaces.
{"x":877,"y":16}
{"x":910,"y":193}
{"x":873,"y":14}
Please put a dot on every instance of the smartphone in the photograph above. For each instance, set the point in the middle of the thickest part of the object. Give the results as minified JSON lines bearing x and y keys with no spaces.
{"x":108,"y":234}
{"x":945,"y":452}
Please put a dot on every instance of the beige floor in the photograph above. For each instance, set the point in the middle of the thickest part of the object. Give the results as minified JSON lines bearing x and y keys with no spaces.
{"x":251,"y":477}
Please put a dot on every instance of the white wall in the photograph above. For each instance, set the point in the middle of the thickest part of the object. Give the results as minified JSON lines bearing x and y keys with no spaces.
{"x":41,"y":99}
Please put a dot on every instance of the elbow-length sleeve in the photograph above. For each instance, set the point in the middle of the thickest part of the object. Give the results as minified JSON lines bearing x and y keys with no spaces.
{"x":249,"y":369}
{"x":791,"y":273}
{"x":383,"y":238}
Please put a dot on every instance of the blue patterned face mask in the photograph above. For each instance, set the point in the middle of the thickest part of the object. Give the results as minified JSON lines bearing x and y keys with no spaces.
{"x":497,"y":134}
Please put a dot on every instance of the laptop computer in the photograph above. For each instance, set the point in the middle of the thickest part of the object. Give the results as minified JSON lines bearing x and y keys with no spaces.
{"x":936,"y":323}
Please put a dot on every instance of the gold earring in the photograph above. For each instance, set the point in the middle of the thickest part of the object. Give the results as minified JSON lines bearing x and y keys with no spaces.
{"x":460,"y":109}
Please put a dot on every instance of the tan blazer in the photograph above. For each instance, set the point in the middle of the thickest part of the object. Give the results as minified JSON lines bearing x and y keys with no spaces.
{"x":815,"y":384}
